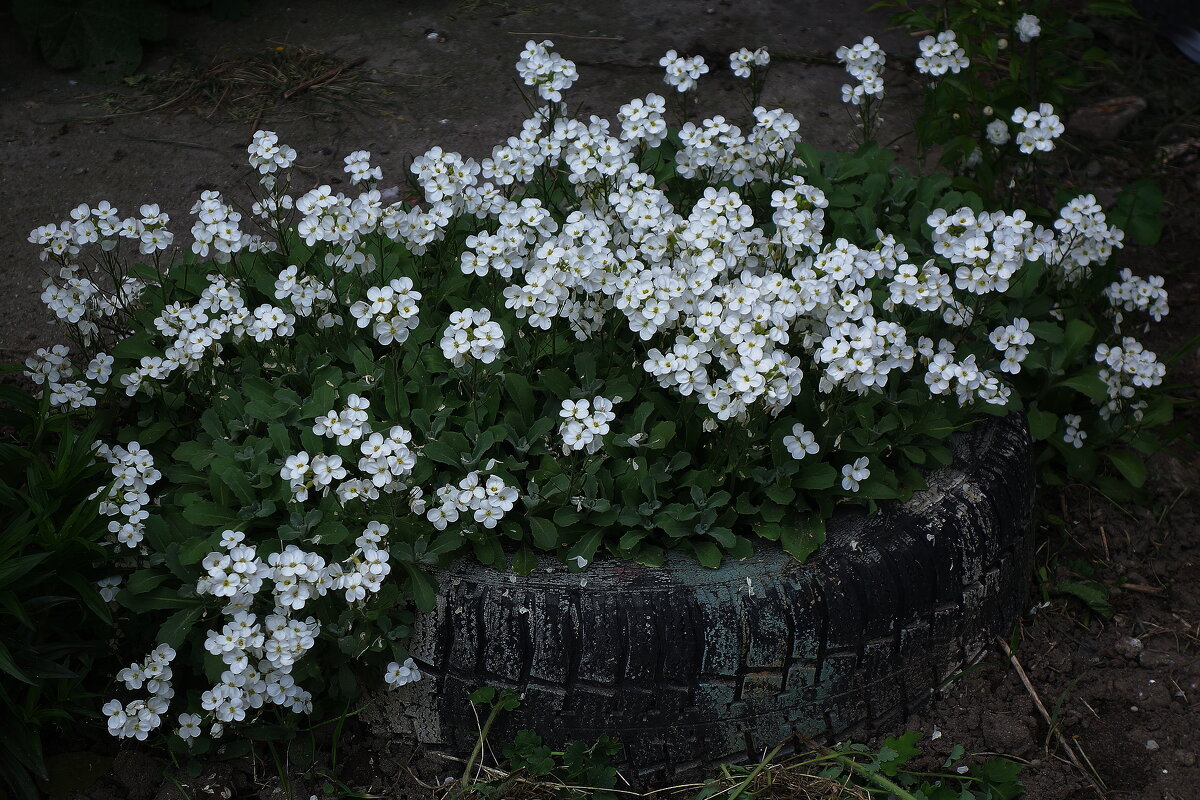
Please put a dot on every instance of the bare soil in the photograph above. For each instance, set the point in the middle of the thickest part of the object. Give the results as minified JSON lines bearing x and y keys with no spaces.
{"x":1125,"y":692}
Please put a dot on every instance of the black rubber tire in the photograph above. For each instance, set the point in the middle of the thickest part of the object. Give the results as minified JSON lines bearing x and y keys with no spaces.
{"x":690,"y":667}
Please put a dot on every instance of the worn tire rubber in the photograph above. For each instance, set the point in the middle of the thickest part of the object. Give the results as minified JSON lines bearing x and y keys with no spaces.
{"x":690,"y":667}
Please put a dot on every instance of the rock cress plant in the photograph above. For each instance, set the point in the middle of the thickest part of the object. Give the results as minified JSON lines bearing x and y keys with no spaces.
{"x":601,"y":335}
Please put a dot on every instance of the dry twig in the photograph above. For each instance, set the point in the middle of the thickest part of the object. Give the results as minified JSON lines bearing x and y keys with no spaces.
{"x":1091,"y":776}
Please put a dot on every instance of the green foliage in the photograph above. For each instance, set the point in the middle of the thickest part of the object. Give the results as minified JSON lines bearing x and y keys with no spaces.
{"x":582,"y":771}
{"x":1076,"y":580}
{"x":671,"y":474}
{"x":897,"y":769}
{"x":1005,"y":73}
{"x":52,"y":618}
{"x":104,"y":38}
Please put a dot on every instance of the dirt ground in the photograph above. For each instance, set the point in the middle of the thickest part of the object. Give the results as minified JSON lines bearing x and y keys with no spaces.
{"x":1125,"y":692}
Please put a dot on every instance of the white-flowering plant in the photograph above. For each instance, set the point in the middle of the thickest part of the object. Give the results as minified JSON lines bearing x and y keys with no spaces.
{"x":994,"y":90}
{"x":603,"y":337}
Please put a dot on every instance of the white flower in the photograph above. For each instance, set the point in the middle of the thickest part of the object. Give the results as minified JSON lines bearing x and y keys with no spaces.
{"x":801,"y":442}
{"x":744,"y":61}
{"x":853,"y":473}
{"x":997,"y":132}
{"x":549,"y":72}
{"x":189,"y":726}
{"x":109,"y":587}
{"x":1028,"y":28}
{"x":398,"y":675}
{"x":941,"y":55}
{"x":682,"y":72}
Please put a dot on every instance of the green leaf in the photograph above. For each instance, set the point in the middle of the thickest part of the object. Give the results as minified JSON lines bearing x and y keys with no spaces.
{"x":7,"y":664}
{"x":556,"y":382}
{"x":903,"y":749}
{"x":815,"y":475}
{"x":1130,"y":465}
{"x":1042,"y":424}
{"x":1087,"y":383}
{"x":175,"y":629}
{"x":422,"y":588}
{"x":660,"y":435}
{"x":144,"y":580}
{"x":585,"y":548}
{"x":101,"y":36}
{"x":484,"y":694}
{"x":1078,"y":334}
{"x":544,"y":533}
{"x":90,"y":597}
{"x":194,"y":551}
{"x":524,"y":561}
{"x":781,"y":493}
{"x":517,"y":387}
{"x":442,"y":453}
{"x":804,"y":537}
{"x":282,"y":442}
{"x":195,"y":454}
{"x":207,"y":514}
{"x":707,"y":553}
{"x":234,"y":477}
{"x":1093,"y":595}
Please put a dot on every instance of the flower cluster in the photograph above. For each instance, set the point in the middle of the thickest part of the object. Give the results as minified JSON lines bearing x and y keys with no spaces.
{"x":682,"y":71}
{"x":217,"y":231}
{"x":391,"y":311}
{"x":584,"y":424}
{"x":358,"y":167}
{"x":1040,"y":128}
{"x":53,"y":369}
{"x":258,"y":652}
{"x":864,"y":61}
{"x":267,"y":155}
{"x":941,"y":55}
{"x":136,"y":719}
{"x":1013,"y":340}
{"x":76,"y":298}
{"x":133,"y":474}
{"x":997,"y":132}
{"x":643,"y":120}
{"x":1127,"y":366}
{"x":549,"y":72}
{"x":305,"y":293}
{"x":1084,"y":239}
{"x":744,"y":61}
{"x":472,"y":332}
{"x":487,"y":500}
{"x":386,"y":460}
{"x":109,"y":587}
{"x":1133,"y":293}
{"x":1074,"y":434}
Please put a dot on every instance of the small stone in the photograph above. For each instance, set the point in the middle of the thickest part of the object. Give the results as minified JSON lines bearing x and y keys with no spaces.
{"x":1151,"y":744}
{"x":1129,"y":646}
{"x":1105,"y":120}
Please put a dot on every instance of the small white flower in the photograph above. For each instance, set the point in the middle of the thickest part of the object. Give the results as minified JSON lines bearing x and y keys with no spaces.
{"x":398,"y":675}
{"x":109,"y":587}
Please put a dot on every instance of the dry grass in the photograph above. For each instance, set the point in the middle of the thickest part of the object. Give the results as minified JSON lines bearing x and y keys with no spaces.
{"x":284,"y":82}
{"x":795,"y":778}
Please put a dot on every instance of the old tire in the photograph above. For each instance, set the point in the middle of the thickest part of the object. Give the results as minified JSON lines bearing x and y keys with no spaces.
{"x":690,"y":667}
